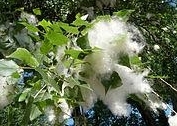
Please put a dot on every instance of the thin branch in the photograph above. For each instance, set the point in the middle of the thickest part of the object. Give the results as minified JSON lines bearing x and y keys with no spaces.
{"x":168,"y":84}
{"x":39,"y":91}
{"x":165,"y":103}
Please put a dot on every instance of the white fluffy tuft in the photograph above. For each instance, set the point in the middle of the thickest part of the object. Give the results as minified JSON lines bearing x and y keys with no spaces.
{"x":5,"y":91}
{"x":114,"y":38}
{"x":172,"y":120}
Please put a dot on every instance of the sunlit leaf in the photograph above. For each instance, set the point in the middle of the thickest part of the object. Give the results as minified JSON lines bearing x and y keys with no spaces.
{"x":45,"y":24}
{"x":56,"y":38}
{"x":37,"y":11}
{"x":25,"y":56}
{"x":73,"y":53}
{"x":68,"y":28}
{"x":123,"y":14}
{"x":46,"y":47}
{"x":135,"y":60}
{"x":24,"y":95}
{"x":8,"y":67}
{"x":80,"y":22}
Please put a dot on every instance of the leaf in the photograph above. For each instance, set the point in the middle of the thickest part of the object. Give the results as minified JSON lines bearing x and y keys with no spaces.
{"x":25,"y":56}
{"x":56,"y":28}
{"x":26,"y":116}
{"x":123,"y":14}
{"x":80,"y":22}
{"x":37,"y":11}
{"x":83,"y":42}
{"x":124,"y":60}
{"x":46,"y":47}
{"x":73,"y":82}
{"x":135,"y":60}
{"x":35,"y":112}
{"x":49,"y":80}
{"x":45,"y":24}
{"x":73,"y":53}
{"x":56,"y":38}
{"x":8,"y":67}
{"x":30,"y":27}
{"x":24,"y":94}
{"x":111,"y":81}
{"x":67,"y":28}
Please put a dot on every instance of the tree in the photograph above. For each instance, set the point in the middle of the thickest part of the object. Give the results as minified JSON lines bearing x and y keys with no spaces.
{"x":46,"y":84}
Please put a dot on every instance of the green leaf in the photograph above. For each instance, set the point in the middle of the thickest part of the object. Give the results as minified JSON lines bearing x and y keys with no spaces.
{"x":37,"y":11}
{"x":25,"y":56}
{"x":56,"y":28}
{"x":124,"y":60}
{"x":67,"y":28}
{"x":73,"y":53}
{"x":48,"y":79}
{"x":83,"y":42}
{"x":46,"y":47}
{"x":35,"y":112}
{"x":74,"y":82}
{"x":24,"y":94}
{"x":45,"y":24}
{"x":30,"y":27}
{"x":56,"y":38}
{"x":111,"y":81}
{"x":123,"y":14}
{"x":135,"y":60}
{"x":26,"y":116}
{"x":8,"y":67}
{"x":80,"y":22}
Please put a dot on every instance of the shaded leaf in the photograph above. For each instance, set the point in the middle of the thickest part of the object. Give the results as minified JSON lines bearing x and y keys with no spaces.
{"x":30,"y":27}
{"x":124,"y":60}
{"x":83,"y":42}
{"x":35,"y":112}
{"x":111,"y":81}
{"x":26,"y":117}
{"x":49,"y":80}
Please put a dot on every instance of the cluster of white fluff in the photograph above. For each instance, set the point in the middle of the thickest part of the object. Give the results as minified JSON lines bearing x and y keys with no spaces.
{"x":63,"y":115}
{"x":172,"y":120}
{"x":5,"y":90}
{"x":113,"y":37}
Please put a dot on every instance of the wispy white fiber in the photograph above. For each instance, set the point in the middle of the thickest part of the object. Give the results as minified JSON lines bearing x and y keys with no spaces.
{"x":5,"y":91}
{"x":114,"y":38}
{"x":172,"y":120}
{"x":66,"y":110}
{"x":50,"y":114}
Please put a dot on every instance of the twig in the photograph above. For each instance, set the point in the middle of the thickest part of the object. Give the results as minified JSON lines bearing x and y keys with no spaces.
{"x":168,"y":84}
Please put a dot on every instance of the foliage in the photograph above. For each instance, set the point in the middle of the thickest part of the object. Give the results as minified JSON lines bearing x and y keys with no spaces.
{"x":33,"y":48}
